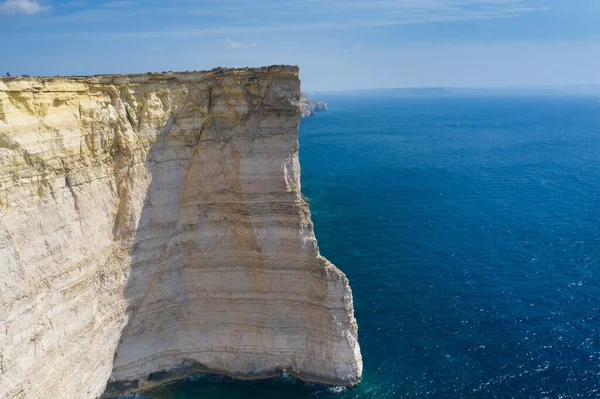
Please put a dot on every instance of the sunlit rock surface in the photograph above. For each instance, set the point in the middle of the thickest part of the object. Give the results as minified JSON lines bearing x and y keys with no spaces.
{"x":152,"y":226}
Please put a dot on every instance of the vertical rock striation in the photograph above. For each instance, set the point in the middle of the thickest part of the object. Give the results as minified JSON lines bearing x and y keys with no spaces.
{"x":152,"y":226}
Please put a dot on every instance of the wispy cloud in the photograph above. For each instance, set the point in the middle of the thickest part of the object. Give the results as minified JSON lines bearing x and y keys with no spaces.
{"x":22,"y":7}
{"x":119,"y":4}
{"x":232,"y":17}
{"x":235,"y":44}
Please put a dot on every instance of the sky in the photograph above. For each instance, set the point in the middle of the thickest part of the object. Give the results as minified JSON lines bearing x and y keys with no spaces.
{"x":338,"y":44}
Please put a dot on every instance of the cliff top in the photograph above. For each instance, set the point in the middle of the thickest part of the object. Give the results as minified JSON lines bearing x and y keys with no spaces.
{"x":151,"y":76}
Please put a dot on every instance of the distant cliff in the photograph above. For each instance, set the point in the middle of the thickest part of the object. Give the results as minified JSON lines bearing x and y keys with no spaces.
{"x":308,"y":107}
{"x":152,"y":226}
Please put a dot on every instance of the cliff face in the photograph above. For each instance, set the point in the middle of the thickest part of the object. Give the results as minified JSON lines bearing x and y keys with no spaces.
{"x":152,"y":226}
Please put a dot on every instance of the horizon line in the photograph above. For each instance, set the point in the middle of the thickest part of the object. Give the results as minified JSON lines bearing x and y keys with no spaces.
{"x":407,"y":88}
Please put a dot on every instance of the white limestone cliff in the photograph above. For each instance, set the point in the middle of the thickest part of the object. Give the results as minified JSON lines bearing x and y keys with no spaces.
{"x":152,"y":226}
{"x":309,"y":107}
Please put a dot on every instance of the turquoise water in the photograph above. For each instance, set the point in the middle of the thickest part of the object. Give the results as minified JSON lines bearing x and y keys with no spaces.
{"x":469,"y":229}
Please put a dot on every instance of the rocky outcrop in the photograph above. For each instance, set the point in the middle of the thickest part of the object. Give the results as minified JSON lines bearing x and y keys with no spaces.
{"x":152,"y":226}
{"x":320,"y":106}
{"x":308,"y":107}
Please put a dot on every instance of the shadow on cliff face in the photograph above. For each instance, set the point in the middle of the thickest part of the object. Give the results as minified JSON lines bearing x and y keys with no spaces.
{"x":164,"y":166}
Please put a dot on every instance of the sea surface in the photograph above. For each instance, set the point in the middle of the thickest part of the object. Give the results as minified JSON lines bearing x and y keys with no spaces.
{"x":469,"y":227}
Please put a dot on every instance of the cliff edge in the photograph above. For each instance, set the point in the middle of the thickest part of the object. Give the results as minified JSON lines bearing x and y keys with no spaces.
{"x":152,"y":226}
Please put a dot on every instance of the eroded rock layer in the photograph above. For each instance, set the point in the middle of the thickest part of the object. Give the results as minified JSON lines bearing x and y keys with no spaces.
{"x":152,"y":226}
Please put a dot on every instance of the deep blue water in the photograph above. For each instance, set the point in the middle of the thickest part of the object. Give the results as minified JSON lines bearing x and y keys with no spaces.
{"x":469,"y":229}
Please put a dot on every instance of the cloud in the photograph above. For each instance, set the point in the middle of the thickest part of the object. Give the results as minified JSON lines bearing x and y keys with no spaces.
{"x":244,"y":16}
{"x":236,"y":44}
{"x":340,"y":14}
{"x":119,"y":4}
{"x":23,"y":7}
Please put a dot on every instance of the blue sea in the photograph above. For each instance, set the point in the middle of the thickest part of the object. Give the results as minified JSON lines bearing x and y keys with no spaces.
{"x":469,"y":227}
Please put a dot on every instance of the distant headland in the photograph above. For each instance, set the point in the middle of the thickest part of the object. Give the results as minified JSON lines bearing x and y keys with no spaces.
{"x":308,"y":107}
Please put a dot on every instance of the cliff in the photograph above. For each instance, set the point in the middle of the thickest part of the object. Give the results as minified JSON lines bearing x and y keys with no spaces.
{"x":152,"y":226}
{"x":308,"y":107}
